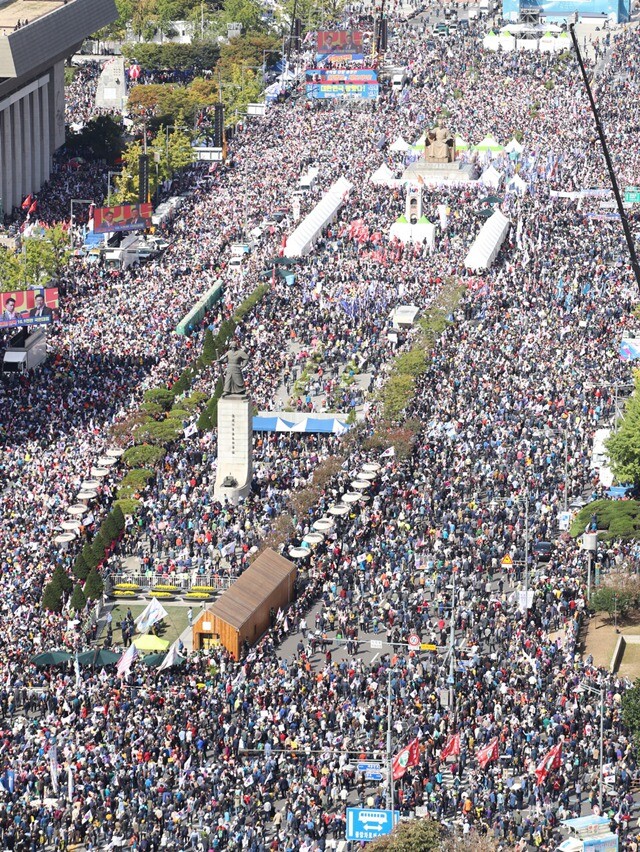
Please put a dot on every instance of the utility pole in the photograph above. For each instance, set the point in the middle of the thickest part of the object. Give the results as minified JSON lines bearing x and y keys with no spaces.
{"x":452,"y":642}
{"x":389,"y":758}
{"x":526,"y":547}
{"x":605,"y":150}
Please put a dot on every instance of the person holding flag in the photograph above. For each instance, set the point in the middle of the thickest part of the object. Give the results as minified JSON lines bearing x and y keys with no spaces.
{"x":488,"y":753}
{"x":451,"y":749}
{"x":550,"y":761}
{"x":406,"y":757}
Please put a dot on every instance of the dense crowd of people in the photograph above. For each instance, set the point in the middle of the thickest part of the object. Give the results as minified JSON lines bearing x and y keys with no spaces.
{"x":261,"y":753}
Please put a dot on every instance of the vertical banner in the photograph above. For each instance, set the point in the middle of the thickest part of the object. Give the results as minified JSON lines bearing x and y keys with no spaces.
{"x":143,"y":176}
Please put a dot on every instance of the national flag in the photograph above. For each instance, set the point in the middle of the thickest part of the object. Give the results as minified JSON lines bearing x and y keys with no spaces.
{"x":8,"y":780}
{"x":69,"y":783}
{"x":406,"y":757}
{"x":32,"y":208}
{"x":388,"y":453}
{"x":551,"y":760}
{"x":451,"y":748}
{"x":152,"y":614}
{"x":172,"y":658}
{"x":126,"y":661}
{"x":487,"y":753}
{"x":76,"y":668}
{"x":26,"y":204}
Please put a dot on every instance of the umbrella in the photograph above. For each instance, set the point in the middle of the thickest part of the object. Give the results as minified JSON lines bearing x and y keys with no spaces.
{"x":98,"y":658}
{"x":154,"y":660}
{"x":492,"y":199}
{"x":51,"y":658}
{"x":485,"y":212}
{"x":149,"y":642}
{"x":283,"y":261}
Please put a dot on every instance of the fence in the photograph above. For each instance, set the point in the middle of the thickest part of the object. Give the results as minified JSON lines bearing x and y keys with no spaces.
{"x":183,"y":581}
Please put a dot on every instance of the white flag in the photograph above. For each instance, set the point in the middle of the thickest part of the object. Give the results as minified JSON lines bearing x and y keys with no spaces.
{"x":69,"y":783}
{"x":191,"y":430}
{"x":53,"y":767}
{"x":172,"y":657}
{"x":388,"y":453}
{"x":152,"y":614}
{"x":76,"y":666}
{"x":126,"y":661}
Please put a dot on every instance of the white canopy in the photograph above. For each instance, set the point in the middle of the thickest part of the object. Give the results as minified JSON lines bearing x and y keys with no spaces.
{"x":382,"y":175}
{"x":489,"y":144}
{"x":399,"y":146}
{"x":487,"y":244}
{"x":302,"y":240}
{"x":517,"y":185}
{"x":491,"y":177}
{"x":514,"y":147}
{"x":422,"y":231}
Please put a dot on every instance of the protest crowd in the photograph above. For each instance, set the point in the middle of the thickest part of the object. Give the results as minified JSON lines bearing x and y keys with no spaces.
{"x":261,"y":753}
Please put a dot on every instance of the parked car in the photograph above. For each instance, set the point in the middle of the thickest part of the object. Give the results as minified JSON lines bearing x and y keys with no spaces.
{"x":543,"y":550}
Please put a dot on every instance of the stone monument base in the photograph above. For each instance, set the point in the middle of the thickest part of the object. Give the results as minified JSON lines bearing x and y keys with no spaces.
{"x":432,"y":172}
{"x":235,"y":448}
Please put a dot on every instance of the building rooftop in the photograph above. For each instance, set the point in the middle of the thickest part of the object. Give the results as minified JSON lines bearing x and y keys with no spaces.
{"x":24,"y":10}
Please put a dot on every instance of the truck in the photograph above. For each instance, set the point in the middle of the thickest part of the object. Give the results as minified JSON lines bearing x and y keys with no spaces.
{"x":25,"y":351}
{"x":132,"y":250}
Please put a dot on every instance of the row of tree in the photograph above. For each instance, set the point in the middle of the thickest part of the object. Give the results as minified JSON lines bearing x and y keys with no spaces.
{"x":624,"y":443}
{"x":43,"y":257}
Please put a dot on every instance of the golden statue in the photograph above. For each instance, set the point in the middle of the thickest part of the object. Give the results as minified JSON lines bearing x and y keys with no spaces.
{"x":440,"y":144}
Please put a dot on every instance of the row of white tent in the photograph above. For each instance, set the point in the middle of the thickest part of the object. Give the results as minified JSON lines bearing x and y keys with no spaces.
{"x":488,"y":144}
{"x":305,"y":236}
{"x":545,"y":43}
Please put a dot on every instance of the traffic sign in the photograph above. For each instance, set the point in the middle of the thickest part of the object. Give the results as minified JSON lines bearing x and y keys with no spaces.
{"x":376,"y":643}
{"x":373,"y":776}
{"x":369,"y":823}
{"x":427,"y":646}
{"x":413,"y":642}
{"x":369,"y":767}
{"x":506,"y":561}
{"x":632,"y":195}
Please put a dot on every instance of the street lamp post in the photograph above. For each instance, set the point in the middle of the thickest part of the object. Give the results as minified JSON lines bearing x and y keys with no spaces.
{"x":389,"y":758}
{"x":587,"y":687}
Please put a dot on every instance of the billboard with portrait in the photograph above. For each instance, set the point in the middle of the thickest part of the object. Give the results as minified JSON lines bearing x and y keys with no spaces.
{"x":343,"y":44}
{"x":122,"y":217}
{"x":29,"y":307}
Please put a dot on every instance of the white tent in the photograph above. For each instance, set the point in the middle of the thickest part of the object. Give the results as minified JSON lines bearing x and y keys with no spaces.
{"x":422,"y":231}
{"x":491,"y":177}
{"x":516,"y":185}
{"x":399,"y":146}
{"x":382,"y":175}
{"x":491,"y":41}
{"x":487,"y":244}
{"x":306,"y":234}
{"x":514,"y":147}
{"x":461,"y":144}
{"x":489,"y":144}
{"x":506,"y":41}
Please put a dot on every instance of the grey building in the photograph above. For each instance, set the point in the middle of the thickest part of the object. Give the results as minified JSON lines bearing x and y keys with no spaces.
{"x":36,"y":36}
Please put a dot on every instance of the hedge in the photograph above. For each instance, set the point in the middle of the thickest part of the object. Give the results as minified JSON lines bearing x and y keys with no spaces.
{"x":127,"y":506}
{"x":137,"y":478}
{"x":618,"y":519}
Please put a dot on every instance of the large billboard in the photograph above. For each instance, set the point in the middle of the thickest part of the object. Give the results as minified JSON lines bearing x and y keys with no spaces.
{"x":324,"y":76}
{"x":28,"y":307}
{"x":359,"y":91}
{"x":122,"y":217}
{"x":565,"y":9}
{"x":340,"y":45}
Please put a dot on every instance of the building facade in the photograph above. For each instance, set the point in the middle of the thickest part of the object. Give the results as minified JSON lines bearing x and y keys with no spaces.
{"x":36,"y":37}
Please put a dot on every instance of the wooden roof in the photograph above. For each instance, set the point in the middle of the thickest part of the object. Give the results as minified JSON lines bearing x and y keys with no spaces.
{"x":238,"y":603}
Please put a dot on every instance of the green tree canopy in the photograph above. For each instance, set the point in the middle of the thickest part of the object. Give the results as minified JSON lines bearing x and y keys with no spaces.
{"x":419,"y":835}
{"x":93,"y":587}
{"x":624,"y":443}
{"x":78,"y":599}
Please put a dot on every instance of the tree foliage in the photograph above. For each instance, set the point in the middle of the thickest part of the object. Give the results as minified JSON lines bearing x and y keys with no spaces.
{"x":93,"y":587}
{"x":418,"y":835}
{"x":624,"y":443}
{"x":631,"y":710}
{"x":198,"y":56}
{"x":52,"y":597}
{"x":100,"y":138}
{"x":80,"y":568}
{"x":62,"y":579}
{"x":78,"y":599}
{"x":42,"y":258}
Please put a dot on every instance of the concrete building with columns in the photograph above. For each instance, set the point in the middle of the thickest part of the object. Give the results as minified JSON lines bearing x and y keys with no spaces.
{"x":36,"y":37}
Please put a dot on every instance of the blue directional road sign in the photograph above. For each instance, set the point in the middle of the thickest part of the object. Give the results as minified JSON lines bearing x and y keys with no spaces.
{"x":373,"y":776}
{"x":369,"y":767}
{"x":369,"y":823}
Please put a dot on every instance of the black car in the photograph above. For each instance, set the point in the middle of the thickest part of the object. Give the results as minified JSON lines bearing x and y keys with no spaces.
{"x":543,"y":550}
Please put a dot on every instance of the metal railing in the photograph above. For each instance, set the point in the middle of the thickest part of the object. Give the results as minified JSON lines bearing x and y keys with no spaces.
{"x":183,"y":580}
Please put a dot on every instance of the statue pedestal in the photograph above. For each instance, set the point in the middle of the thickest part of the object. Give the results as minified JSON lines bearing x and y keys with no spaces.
{"x":235,"y":447}
{"x":423,"y":171}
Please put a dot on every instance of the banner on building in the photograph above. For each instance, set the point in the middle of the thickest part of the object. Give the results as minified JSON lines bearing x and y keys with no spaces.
{"x":29,"y":307}
{"x":122,"y":217}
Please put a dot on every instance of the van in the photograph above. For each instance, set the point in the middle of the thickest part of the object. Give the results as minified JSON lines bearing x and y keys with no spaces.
{"x":235,"y":264}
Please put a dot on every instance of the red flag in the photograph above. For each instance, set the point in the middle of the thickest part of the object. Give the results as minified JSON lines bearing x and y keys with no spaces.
{"x":551,"y":760}
{"x":487,"y":753}
{"x":33,"y":207}
{"x":452,"y":747}
{"x":406,"y":757}
{"x":27,"y":202}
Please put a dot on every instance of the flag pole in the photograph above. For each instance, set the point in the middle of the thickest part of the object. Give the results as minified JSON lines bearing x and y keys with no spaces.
{"x":389,"y":762}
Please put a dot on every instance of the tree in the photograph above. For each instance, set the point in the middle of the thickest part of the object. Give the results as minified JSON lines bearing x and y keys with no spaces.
{"x":101,"y":137}
{"x":52,"y":597}
{"x":90,"y":559}
{"x":10,"y":271}
{"x":78,"y":599}
{"x":109,"y":529}
{"x":80,"y":568}
{"x":118,"y":517}
{"x":245,"y":12}
{"x":99,"y":546}
{"x":93,"y":587}
{"x":631,"y":710}
{"x":62,"y":579}
{"x":127,"y":182}
{"x":613,"y":599}
{"x":624,"y":443}
{"x":418,"y":835}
